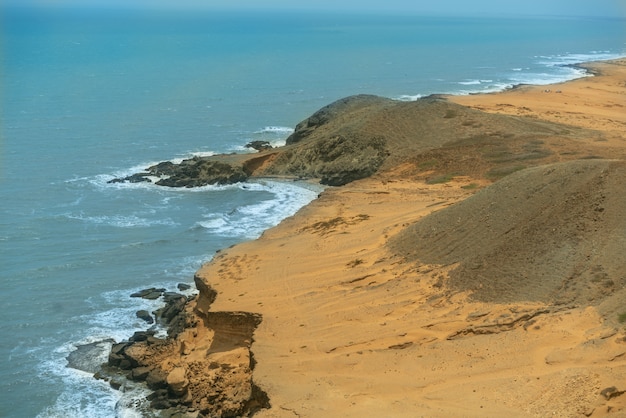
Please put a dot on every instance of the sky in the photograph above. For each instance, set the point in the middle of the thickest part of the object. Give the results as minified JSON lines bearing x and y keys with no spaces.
{"x":595,"y":8}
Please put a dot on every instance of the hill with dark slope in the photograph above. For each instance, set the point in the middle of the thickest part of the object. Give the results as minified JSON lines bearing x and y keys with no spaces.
{"x":554,"y":234}
{"x":358,"y":136}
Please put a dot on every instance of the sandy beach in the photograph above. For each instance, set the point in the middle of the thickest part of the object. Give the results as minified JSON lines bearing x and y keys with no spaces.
{"x":371,"y":306}
{"x":595,"y":102}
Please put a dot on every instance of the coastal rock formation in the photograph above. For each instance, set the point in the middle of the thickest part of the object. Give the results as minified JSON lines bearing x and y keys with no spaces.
{"x":150,"y":294}
{"x":193,"y":172}
{"x":259,"y":145}
{"x":89,"y":357}
{"x":145,"y":315}
{"x":212,"y":379}
{"x":197,"y":172}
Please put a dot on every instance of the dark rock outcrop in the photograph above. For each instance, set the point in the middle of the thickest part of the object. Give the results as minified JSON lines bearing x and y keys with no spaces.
{"x":194,"y":172}
{"x":199,"y":171}
{"x":145,"y":315}
{"x":150,"y":293}
{"x":143,"y":177}
{"x":89,"y":357}
{"x":183,"y":286}
{"x":172,"y":314}
{"x":259,"y":145}
{"x":165,"y":168}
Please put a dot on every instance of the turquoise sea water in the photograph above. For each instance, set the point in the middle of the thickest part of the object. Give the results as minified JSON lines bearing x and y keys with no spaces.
{"x":90,"y":96}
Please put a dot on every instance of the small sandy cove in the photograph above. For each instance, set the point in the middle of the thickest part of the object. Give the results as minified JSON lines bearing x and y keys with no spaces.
{"x":351,"y":330}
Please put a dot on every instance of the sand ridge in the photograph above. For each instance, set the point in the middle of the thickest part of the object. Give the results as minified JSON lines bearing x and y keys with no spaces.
{"x":551,"y":233}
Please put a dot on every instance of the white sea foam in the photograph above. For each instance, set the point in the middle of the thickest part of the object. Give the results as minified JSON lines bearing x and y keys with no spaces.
{"x":250,"y":221}
{"x":489,"y":88}
{"x":408,"y":97}
{"x":121,"y":221}
{"x":115,"y":318}
{"x":203,"y":154}
{"x":82,"y":395}
{"x":188,"y":156}
{"x":275,"y":135}
{"x":470,"y":82}
{"x":560,"y":68}
{"x":547,"y":70}
{"x":102,"y":180}
{"x":282,"y":130}
{"x":278,"y":143}
{"x":120,"y":321}
{"x":572,"y":59}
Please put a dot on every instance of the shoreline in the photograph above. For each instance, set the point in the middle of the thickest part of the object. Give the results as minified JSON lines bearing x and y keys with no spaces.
{"x":343,"y":325}
{"x":561,"y":106}
{"x":587,"y":69}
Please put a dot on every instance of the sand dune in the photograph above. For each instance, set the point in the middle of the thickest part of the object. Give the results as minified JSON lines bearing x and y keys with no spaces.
{"x":352,"y":329}
{"x":551,"y":234}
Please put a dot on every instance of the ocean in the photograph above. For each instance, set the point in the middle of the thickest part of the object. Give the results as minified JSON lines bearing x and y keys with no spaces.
{"x":92,"y":95}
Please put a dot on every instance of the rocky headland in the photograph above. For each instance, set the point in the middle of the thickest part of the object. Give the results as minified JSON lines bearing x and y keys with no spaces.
{"x":358,"y":136}
{"x":473,"y":263}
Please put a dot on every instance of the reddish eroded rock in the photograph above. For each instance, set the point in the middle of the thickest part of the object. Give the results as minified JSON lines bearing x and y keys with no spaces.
{"x":203,"y":369}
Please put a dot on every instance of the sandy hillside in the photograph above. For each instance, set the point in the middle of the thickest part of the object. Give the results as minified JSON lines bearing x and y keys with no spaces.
{"x":506,"y":304}
{"x":352,"y":329}
{"x":553,"y":234}
{"x":591,"y":102}
{"x":480,"y":275}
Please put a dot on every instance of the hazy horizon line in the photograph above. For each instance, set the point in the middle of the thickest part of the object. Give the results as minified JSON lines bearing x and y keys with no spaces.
{"x":184,"y":9}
